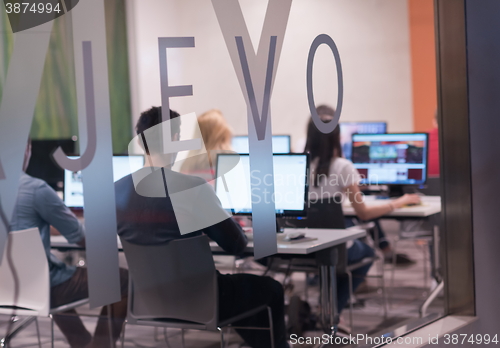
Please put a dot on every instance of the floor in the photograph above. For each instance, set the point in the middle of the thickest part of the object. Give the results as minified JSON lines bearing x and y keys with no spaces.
{"x":411,"y":286}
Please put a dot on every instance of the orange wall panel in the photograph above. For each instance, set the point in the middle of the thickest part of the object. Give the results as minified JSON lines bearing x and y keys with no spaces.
{"x":423,"y":63}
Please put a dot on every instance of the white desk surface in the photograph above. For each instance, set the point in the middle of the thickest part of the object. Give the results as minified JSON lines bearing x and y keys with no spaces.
{"x":430,"y":205}
{"x":325,"y":239}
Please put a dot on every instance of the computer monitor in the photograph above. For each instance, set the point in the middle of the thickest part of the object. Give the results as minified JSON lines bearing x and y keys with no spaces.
{"x":281,"y":144}
{"x":43,"y":166}
{"x":347,"y":129}
{"x":391,"y":159}
{"x":290,"y":183}
{"x":73,"y":186}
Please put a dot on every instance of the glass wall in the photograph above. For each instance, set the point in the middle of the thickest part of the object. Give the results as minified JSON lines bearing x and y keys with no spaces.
{"x":356,"y":243}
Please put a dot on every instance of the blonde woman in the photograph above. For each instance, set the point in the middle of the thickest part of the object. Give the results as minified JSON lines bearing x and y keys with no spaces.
{"x":217,"y":137}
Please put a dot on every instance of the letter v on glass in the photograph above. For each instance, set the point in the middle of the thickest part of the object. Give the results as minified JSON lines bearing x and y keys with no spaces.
{"x":260,"y":121}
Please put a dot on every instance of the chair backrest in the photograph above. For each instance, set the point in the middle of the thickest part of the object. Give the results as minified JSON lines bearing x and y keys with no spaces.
{"x":432,"y":187}
{"x":174,"y":281}
{"x":323,"y":214}
{"x":24,"y":273}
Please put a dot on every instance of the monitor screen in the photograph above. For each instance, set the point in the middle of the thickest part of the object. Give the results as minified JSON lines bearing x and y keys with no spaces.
{"x":391,"y":158}
{"x":290,"y":183}
{"x":347,"y":129}
{"x":73,"y":186}
{"x":281,"y":144}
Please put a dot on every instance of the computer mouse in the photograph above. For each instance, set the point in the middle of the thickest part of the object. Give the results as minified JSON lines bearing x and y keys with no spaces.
{"x":295,"y":235}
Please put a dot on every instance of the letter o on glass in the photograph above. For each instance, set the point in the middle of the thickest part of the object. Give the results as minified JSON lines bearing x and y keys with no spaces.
{"x":324,"y":127}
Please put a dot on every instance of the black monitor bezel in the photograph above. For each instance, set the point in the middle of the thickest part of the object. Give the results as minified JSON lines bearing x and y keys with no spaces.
{"x":285,"y":213}
{"x":400,"y":133}
{"x":365,"y":122}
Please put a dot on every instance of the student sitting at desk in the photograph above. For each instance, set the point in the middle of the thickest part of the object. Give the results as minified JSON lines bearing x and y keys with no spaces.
{"x":332,"y":175}
{"x":217,"y":137}
{"x":151,"y":220}
{"x":38,"y":205}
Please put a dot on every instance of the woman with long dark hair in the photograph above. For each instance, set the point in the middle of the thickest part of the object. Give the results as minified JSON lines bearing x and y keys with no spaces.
{"x":333,"y":176}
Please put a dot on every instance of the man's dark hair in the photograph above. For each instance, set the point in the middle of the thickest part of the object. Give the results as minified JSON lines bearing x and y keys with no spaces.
{"x":152,"y":117}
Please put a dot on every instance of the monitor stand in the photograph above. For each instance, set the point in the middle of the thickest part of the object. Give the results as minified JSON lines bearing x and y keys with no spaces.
{"x":283,"y":222}
{"x":396,"y":191}
{"x":279,"y":228}
{"x":373,"y":190}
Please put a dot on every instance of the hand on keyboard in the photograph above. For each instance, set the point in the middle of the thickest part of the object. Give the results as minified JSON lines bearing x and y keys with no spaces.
{"x":406,"y":200}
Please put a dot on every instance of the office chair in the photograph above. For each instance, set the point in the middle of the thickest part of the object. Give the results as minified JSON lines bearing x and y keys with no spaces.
{"x":327,"y":214}
{"x":432,"y":187}
{"x":175,"y":285}
{"x":331,"y":215}
{"x":25,"y":283}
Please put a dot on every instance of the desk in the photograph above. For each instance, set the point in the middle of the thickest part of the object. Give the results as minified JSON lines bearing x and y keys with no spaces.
{"x":324,"y":248}
{"x":60,"y":243}
{"x":430,"y":205}
{"x":326,"y":238}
